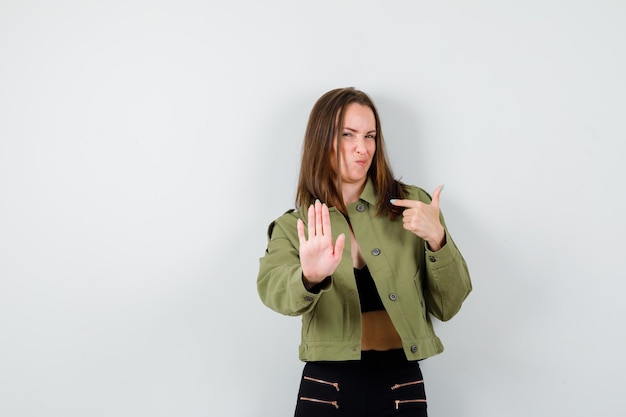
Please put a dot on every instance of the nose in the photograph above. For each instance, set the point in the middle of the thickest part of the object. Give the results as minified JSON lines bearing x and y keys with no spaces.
{"x":359,"y":146}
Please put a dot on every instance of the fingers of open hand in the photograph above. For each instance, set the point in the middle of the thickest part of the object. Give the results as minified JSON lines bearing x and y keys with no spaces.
{"x":311,"y":221}
{"x":318,"y":224}
{"x":320,"y":209}
{"x":319,"y":220}
{"x":319,"y":256}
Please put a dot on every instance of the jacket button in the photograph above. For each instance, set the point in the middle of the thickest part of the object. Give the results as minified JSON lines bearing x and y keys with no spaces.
{"x":308,"y":298}
{"x":413,"y":348}
{"x":360,"y":207}
{"x":375,"y":251}
{"x":393,"y":297}
{"x":432,"y":258}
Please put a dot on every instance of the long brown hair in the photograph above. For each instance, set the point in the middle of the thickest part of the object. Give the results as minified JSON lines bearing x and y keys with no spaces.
{"x":317,"y":179}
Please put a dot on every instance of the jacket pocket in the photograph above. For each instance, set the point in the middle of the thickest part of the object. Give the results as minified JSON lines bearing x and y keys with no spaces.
{"x":420,"y":293}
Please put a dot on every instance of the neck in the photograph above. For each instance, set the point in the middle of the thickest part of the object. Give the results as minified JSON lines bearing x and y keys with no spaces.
{"x":352,"y":192}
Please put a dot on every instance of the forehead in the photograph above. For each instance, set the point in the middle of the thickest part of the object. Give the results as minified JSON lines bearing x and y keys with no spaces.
{"x":360,"y":114}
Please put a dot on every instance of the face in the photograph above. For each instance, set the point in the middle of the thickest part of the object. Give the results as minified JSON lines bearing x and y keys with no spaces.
{"x":358,"y":144}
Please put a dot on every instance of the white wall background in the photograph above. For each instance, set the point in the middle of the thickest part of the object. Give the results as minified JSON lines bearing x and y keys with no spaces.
{"x":145,"y":146}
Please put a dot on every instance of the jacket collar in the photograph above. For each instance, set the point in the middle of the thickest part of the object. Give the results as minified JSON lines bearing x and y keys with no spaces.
{"x":369,"y":193}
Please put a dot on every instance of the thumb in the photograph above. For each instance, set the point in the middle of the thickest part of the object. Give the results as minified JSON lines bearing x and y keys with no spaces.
{"x":339,"y":245}
{"x":436,"y":196}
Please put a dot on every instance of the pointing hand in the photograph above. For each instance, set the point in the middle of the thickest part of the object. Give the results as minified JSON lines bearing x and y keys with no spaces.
{"x":423,"y":219}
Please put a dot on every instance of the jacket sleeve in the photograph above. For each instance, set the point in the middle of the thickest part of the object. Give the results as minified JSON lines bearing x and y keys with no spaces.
{"x":279,"y":282}
{"x":447,"y":281}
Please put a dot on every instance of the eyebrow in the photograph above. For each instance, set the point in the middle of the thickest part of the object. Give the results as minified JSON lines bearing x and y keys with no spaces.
{"x":354,"y":130}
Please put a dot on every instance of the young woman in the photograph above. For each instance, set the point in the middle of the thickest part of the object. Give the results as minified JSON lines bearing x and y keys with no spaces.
{"x":365,"y":260}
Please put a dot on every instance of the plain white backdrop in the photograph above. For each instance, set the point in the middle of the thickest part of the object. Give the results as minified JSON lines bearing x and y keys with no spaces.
{"x":146,"y":145}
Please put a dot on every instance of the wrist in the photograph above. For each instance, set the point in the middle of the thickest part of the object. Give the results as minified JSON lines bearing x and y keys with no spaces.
{"x":307,"y":283}
{"x":438,"y":241}
{"x":316,"y":287}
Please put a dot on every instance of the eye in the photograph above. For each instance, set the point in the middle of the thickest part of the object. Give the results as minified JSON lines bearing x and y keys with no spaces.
{"x":347,"y":134}
{"x":370,"y":136}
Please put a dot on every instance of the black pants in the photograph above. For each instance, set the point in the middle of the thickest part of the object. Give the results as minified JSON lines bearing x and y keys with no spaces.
{"x":381,"y":384}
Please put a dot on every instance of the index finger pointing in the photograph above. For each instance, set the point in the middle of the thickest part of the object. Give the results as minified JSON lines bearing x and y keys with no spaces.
{"x":402,"y":202}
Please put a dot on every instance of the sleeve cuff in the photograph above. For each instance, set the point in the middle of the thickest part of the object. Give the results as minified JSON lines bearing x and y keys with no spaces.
{"x":443,"y":256}
{"x":323,"y":285}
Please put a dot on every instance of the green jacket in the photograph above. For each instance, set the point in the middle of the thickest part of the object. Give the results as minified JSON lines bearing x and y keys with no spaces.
{"x":412,"y":282}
